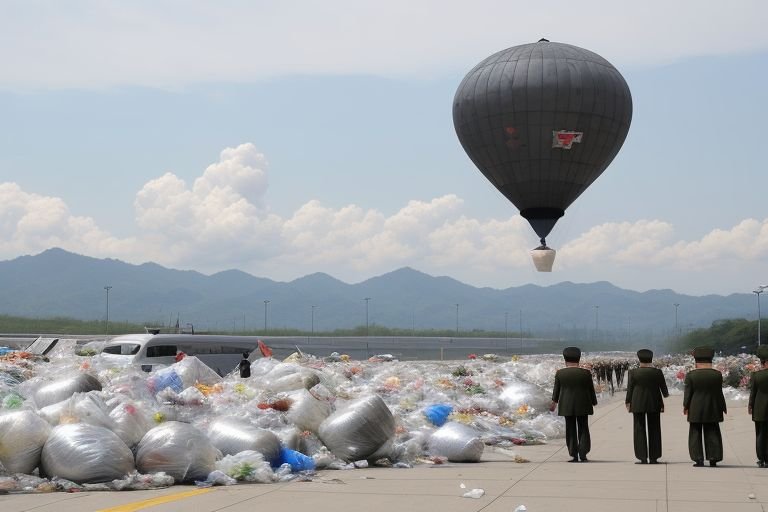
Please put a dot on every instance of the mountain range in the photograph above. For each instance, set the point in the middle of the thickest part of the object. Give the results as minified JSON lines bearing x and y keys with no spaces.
{"x":60,"y":283}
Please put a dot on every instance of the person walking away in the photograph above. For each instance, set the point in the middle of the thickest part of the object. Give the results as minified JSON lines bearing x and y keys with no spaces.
{"x":245,"y":366}
{"x":758,"y":406}
{"x":704,"y":404}
{"x":574,"y":397}
{"x":646,"y":390}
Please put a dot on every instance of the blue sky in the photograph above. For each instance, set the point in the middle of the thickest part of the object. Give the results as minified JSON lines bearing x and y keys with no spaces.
{"x":285,"y":138}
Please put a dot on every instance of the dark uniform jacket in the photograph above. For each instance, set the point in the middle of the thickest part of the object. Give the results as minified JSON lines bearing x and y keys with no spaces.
{"x":758,"y":395}
{"x":704,"y":396}
{"x":574,"y":392}
{"x":645,"y":389}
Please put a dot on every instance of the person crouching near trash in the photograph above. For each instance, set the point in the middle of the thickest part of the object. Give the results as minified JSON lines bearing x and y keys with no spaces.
{"x":704,"y":404}
{"x":646,"y":390}
{"x":574,"y":396}
{"x":758,"y":406}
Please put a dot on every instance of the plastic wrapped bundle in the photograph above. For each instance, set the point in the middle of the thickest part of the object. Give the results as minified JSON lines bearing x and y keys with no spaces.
{"x":193,"y":371}
{"x":248,"y":466}
{"x":359,"y":430}
{"x":59,"y":390}
{"x":178,"y":449}
{"x":86,"y":453}
{"x":132,"y":420}
{"x":22,"y":436}
{"x":307,"y":412}
{"x":233,"y":435}
{"x":457,"y":442}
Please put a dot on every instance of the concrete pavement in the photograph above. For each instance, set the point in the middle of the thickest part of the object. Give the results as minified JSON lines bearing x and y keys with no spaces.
{"x":609,"y":482}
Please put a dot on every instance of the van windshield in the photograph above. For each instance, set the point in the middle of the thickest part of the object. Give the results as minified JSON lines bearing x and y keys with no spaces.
{"x":125,"y":349}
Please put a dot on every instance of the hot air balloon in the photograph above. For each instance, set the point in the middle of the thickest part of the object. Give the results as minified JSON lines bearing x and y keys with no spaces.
{"x":542,"y":121}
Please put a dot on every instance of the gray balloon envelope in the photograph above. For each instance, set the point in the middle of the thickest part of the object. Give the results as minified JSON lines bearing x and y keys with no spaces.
{"x":542,"y":121}
{"x":86,"y":454}
{"x":359,"y":430}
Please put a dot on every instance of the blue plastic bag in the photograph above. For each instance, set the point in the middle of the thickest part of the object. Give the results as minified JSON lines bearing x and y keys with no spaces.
{"x":438,"y":414}
{"x":297,"y":460}
{"x":166,"y":379}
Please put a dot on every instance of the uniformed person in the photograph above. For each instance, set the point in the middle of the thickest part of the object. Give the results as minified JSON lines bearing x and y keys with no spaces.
{"x":646,"y":390}
{"x":574,"y":396}
{"x":758,"y":406}
{"x":704,"y":404}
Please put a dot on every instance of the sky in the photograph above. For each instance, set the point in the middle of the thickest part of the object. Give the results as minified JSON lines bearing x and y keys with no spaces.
{"x":284,"y":138}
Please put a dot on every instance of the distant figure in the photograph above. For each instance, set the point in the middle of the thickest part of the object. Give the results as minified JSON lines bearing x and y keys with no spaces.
{"x":245,"y":366}
{"x":704,"y":404}
{"x":574,"y":396}
{"x":646,"y":390}
{"x":758,"y":407}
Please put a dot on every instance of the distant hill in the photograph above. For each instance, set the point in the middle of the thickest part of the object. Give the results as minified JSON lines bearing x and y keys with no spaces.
{"x":60,"y":283}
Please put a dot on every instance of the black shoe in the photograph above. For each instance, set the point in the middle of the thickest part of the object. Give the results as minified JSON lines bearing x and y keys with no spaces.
{"x":584,"y":459}
{"x":699,"y":464}
{"x":575,"y":459}
{"x":654,"y":461}
{"x":760,"y":464}
{"x":642,"y":461}
{"x":713,"y":463}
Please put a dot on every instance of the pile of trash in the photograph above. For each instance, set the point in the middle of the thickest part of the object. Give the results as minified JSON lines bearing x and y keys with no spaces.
{"x":71,"y":422}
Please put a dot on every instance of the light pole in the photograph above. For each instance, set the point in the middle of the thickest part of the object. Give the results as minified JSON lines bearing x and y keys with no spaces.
{"x":506,"y":329}
{"x":265,"y":315}
{"x":677,"y":331}
{"x":757,"y":292}
{"x":597,"y":324}
{"x":107,"y":288}
{"x":457,"y":319}
{"x":521,"y":331}
{"x":367,"y":299}
{"x":313,"y":320}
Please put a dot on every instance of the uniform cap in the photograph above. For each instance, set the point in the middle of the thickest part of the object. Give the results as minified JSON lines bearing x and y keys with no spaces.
{"x":572,"y":354}
{"x":703,"y":354}
{"x":762,"y":352}
{"x":645,"y":355}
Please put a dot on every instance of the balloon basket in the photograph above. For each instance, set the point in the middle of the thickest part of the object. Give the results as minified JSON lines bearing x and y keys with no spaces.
{"x":543,"y":258}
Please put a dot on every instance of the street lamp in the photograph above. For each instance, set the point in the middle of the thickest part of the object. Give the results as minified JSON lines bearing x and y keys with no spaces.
{"x":313,"y":320}
{"x":457,"y":319}
{"x":521,"y":331}
{"x":597,"y":324}
{"x":677,"y":331}
{"x":265,"y":315}
{"x":366,"y":314}
{"x":107,"y":288}
{"x":506,"y":329}
{"x":757,"y":292}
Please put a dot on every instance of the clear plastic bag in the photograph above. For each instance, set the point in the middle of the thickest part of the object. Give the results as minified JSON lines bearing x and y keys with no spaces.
{"x":86,"y":453}
{"x":178,"y":449}
{"x":233,"y":435}
{"x":22,"y":436}
{"x":457,"y":442}
{"x":359,"y":430}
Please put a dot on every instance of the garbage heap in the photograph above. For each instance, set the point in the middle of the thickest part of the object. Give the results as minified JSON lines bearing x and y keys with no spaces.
{"x":84,"y":422}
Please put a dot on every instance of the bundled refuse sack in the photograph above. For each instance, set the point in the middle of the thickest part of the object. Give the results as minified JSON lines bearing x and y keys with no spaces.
{"x":86,"y":453}
{"x":457,"y":442}
{"x":62,"y":389}
{"x":233,"y":435}
{"x":178,"y":449}
{"x":307,"y":410}
{"x":22,"y":436}
{"x":359,"y":430}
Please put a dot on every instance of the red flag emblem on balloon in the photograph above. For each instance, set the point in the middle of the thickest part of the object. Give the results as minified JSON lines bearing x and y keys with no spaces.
{"x":564,"y":139}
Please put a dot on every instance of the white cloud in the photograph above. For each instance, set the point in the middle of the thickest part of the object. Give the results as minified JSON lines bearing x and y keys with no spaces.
{"x":223,"y":221}
{"x":168,"y":44}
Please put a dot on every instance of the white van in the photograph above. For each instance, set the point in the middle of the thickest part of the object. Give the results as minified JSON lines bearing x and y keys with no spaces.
{"x":221,"y":353}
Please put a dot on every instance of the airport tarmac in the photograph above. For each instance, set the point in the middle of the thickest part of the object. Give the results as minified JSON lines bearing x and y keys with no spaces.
{"x":609,"y":482}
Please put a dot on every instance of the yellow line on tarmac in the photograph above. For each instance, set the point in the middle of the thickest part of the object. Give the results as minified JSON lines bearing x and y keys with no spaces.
{"x":139,"y":505}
